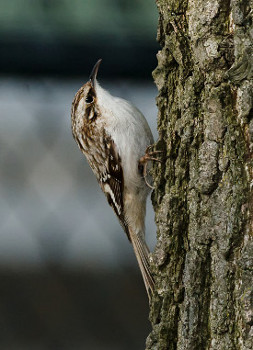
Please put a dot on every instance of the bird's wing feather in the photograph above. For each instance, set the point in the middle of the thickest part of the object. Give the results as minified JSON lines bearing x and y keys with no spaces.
{"x":112,"y":182}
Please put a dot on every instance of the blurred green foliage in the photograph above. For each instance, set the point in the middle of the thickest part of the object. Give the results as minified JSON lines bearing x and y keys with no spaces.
{"x":117,"y":19}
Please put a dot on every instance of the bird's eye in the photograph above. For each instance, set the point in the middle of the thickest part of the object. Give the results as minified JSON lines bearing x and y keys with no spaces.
{"x":89,"y":99}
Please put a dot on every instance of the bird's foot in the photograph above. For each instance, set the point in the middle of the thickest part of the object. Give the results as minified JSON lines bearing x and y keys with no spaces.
{"x":143,"y":162}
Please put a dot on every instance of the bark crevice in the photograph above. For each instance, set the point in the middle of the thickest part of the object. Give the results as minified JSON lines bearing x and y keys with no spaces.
{"x":203,"y":198}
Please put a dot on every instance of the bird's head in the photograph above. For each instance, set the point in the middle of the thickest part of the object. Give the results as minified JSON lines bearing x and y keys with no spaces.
{"x":84,"y":106}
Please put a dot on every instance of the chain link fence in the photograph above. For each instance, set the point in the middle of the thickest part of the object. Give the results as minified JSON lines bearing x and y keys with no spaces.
{"x":69,"y":279}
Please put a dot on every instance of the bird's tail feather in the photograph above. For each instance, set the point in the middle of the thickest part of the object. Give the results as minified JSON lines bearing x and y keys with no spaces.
{"x":142,"y":254}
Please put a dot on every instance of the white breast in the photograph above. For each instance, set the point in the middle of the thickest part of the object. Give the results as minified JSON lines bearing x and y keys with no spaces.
{"x":129,"y":130}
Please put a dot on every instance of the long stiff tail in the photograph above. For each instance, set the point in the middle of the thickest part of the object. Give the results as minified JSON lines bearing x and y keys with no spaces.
{"x":141,"y":251}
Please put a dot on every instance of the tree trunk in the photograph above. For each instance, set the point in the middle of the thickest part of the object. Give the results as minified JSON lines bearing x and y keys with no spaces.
{"x":203,"y":199}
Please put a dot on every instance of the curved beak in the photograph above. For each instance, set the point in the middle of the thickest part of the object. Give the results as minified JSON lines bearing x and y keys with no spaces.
{"x":94,"y":72}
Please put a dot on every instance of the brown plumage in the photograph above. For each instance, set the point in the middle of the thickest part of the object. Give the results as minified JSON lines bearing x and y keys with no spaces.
{"x":102,"y":127}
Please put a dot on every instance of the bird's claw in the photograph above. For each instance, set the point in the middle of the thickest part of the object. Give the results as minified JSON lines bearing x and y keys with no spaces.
{"x":148,"y":156}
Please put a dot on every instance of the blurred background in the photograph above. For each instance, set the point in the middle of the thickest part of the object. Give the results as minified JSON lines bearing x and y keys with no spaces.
{"x":69,"y":278}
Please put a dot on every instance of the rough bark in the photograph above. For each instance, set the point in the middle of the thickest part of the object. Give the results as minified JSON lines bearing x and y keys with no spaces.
{"x":203,"y":199}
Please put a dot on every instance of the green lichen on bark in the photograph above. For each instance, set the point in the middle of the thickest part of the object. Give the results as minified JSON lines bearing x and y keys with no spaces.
{"x":203,"y":198}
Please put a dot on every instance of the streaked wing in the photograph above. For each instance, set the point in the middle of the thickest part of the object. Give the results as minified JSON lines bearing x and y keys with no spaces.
{"x":112,"y":182}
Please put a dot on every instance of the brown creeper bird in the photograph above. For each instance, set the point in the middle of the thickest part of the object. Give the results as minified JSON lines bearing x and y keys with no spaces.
{"x":114,"y":135}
